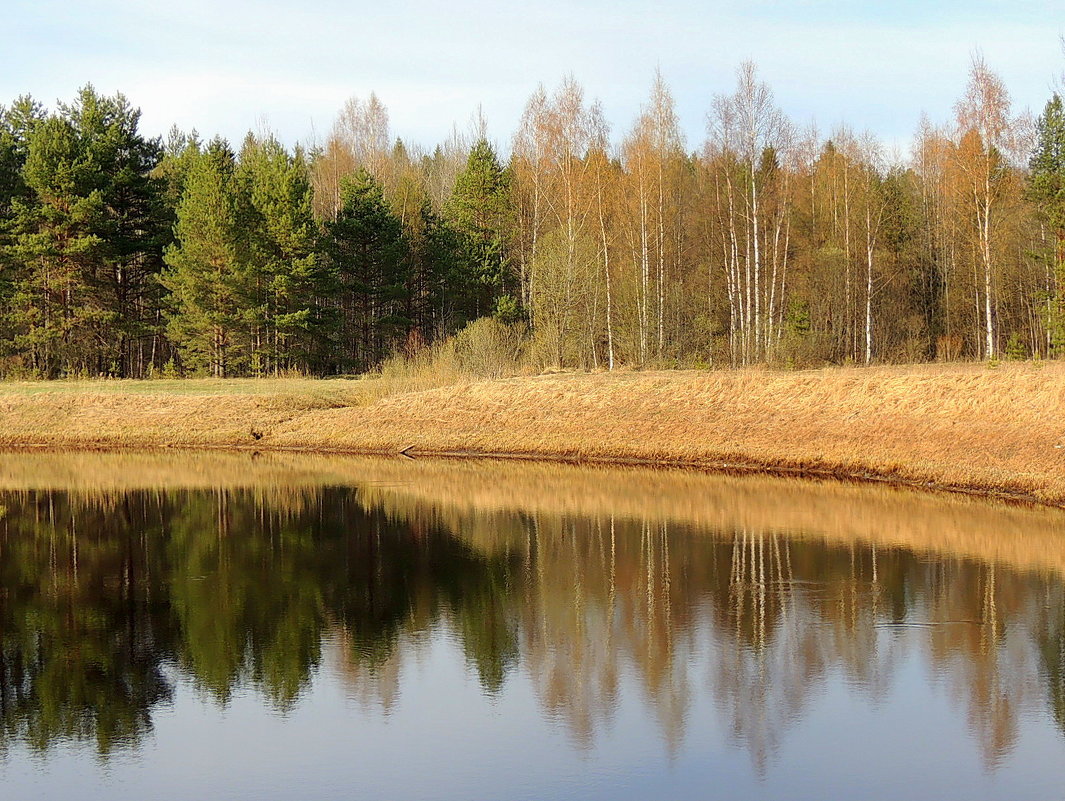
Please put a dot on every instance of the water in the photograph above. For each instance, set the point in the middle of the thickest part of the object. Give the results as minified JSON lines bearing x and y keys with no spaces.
{"x":229,"y":627}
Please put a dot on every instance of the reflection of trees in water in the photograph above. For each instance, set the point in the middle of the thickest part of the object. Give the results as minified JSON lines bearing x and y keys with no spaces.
{"x":97,"y":596}
{"x":989,"y":635}
{"x":798,"y":611}
{"x":777,"y":616}
{"x":764,"y":660}
{"x":83,"y":635}
{"x":100,"y":595}
{"x":642,"y":624}
{"x":1052,"y":653}
{"x":84,"y":626}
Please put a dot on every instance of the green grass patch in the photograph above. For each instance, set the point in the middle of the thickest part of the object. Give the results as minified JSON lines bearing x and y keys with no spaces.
{"x":336,"y":387}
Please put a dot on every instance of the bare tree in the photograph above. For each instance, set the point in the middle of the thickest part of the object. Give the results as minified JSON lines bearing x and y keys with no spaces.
{"x":873,"y":208}
{"x":985,"y":140}
{"x":747,"y":131}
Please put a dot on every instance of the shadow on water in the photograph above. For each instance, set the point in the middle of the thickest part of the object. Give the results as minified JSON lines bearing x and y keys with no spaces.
{"x":119,"y":579}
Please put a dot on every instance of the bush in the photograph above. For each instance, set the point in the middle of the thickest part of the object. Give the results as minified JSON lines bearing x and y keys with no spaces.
{"x":486,"y":348}
{"x":490,"y":348}
{"x":1015,"y":348}
{"x":949,"y":348}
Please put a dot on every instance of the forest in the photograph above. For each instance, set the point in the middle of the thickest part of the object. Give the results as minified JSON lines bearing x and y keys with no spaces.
{"x":124,"y":255}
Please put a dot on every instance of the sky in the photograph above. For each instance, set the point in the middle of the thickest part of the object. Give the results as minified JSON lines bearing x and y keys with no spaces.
{"x":229,"y":66}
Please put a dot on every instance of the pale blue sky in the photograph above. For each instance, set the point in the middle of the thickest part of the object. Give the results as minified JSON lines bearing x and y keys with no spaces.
{"x":222,"y":67}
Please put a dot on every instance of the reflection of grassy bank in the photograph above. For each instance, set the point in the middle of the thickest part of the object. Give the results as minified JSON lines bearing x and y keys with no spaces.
{"x":462,"y":496}
{"x":465,"y":496}
{"x":961,"y":426}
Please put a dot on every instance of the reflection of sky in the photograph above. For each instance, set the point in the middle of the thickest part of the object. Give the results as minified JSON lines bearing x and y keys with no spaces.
{"x":443,"y":740}
{"x":220,"y":67}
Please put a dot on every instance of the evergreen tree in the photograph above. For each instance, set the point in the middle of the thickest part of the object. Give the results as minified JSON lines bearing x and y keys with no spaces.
{"x":440,"y":278}
{"x":56,"y":243}
{"x":369,"y":256}
{"x":207,"y":272}
{"x":1047,"y":189}
{"x":479,"y":211}
{"x":921,"y":285}
{"x":180,"y":151}
{"x":16,"y":127}
{"x":288,"y":273}
{"x":85,"y":233}
{"x":133,"y":230}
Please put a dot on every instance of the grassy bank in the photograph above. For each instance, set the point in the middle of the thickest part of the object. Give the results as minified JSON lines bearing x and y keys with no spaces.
{"x":958,"y":426}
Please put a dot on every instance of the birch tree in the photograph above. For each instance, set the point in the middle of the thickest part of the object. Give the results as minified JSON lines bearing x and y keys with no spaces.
{"x":360,"y":139}
{"x":606,"y":181}
{"x":873,"y":203}
{"x":747,"y":132}
{"x":985,"y":140}
{"x":556,"y":182}
{"x":529,"y":168}
{"x":650,"y":155}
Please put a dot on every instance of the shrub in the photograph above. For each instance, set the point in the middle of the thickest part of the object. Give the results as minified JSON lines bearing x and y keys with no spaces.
{"x":1015,"y":349}
{"x":490,"y":348}
{"x":486,"y":348}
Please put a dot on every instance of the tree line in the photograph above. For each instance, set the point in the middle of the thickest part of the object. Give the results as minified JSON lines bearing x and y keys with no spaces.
{"x":126,"y":255}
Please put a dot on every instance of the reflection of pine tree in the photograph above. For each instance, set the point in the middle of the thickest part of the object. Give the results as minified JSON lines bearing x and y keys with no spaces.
{"x":1052,"y":652}
{"x":81,"y":641}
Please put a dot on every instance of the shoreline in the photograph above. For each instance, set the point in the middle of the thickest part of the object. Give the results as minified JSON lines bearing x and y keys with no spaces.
{"x":705,"y":467}
{"x":472,"y":496}
{"x":962,"y":429}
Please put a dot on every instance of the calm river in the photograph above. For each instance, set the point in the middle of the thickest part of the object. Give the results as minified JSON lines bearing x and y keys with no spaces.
{"x":225,"y":626}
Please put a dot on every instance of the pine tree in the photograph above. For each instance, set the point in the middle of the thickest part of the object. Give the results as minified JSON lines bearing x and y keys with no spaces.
{"x":439,"y":278}
{"x":1047,"y":189}
{"x":56,"y":244}
{"x":479,"y":210}
{"x":133,"y":229}
{"x":16,"y":127}
{"x":207,"y":268}
{"x":180,"y":151}
{"x":369,"y":256}
{"x":289,"y":274}
{"x":85,"y":235}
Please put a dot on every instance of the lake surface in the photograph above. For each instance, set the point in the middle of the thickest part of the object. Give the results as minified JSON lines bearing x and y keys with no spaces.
{"x":225,"y":626}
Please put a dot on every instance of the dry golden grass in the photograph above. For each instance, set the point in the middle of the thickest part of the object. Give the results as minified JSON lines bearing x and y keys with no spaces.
{"x":960,"y":426}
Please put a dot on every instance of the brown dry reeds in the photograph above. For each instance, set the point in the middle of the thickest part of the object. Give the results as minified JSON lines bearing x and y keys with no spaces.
{"x":963,"y":427}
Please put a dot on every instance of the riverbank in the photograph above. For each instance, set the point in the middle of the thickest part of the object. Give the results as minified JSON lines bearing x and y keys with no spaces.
{"x":961,"y":427}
